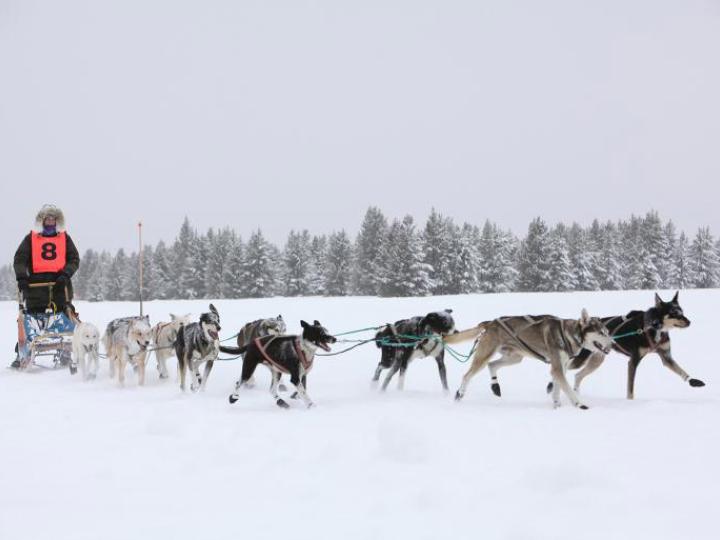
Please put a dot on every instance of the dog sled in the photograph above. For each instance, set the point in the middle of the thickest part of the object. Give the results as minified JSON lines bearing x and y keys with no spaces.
{"x":45,"y":338}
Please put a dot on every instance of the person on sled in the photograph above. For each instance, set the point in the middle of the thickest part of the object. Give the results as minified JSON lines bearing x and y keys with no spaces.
{"x":44,"y":264}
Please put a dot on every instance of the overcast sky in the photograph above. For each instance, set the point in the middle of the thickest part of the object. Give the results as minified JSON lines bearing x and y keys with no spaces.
{"x":300,"y":114}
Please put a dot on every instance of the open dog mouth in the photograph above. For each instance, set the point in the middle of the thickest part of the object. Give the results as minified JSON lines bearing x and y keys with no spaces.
{"x":601,"y":347}
{"x":213,"y":334}
{"x":324,"y":346}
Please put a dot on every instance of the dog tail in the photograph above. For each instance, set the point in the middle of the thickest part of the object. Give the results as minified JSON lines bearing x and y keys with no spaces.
{"x":233,"y":350}
{"x":466,"y":335}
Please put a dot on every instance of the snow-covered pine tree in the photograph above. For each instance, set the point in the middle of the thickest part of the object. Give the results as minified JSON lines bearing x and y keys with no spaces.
{"x":464,"y":263}
{"x":8,"y":284}
{"x":609,"y":274}
{"x":682,"y":277}
{"x":670,"y":278}
{"x":218,"y":248}
{"x":655,"y":241}
{"x":99,"y":281}
{"x":368,"y":247}
{"x":404,"y":273}
{"x":232,"y":278}
{"x":704,"y":260}
{"x":258,"y":275}
{"x":436,"y":240}
{"x":149,"y":285}
{"x":583,"y":259}
{"x":296,"y":264}
{"x":558,"y":255}
{"x":82,"y":278}
{"x":164,"y":287}
{"x":318,"y":261}
{"x":338,"y":266}
{"x":533,"y":266}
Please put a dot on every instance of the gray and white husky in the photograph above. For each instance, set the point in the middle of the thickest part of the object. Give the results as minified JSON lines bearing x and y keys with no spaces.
{"x":164,"y":336}
{"x":198,"y":343}
{"x":550,"y":339}
{"x":86,"y":347}
{"x":272,"y":326}
{"x":126,"y":341}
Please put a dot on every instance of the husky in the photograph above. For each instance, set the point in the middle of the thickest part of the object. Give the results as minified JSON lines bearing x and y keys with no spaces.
{"x":547,"y":338}
{"x":198,"y":343}
{"x":293,"y":355}
{"x":126,"y":340}
{"x":636,"y":335}
{"x":399,"y":346}
{"x":164,"y":336}
{"x":86,"y":346}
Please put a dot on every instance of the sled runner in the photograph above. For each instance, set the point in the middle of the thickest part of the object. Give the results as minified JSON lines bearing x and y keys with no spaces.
{"x":45,"y":338}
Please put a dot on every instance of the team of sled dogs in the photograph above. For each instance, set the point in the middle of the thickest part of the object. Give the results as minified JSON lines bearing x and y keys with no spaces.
{"x":565,"y":344}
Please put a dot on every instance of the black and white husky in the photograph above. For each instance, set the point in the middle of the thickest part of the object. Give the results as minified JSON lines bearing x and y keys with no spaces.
{"x":126,"y":340}
{"x":636,"y":335}
{"x":198,"y":343}
{"x":407,"y":339}
{"x":293,"y":355}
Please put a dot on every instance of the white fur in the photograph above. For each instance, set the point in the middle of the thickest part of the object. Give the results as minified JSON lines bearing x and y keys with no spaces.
{"x":164,"y":335}
{"x":86,"y":346}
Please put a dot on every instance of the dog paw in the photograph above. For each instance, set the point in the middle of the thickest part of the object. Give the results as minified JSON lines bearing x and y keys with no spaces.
{"x":282,"y":388}
{"x":282,"y":404}
{"x":310,"y":405}
{"x":295,"y":395}
{"x":696,"y":383}
{"x":550,"y":387}
{"x":232,"y":398}
{"x":582,"y":407}
{"x":556,"y":405}
{"x":458,"y":396}
{"x":495,"y":387}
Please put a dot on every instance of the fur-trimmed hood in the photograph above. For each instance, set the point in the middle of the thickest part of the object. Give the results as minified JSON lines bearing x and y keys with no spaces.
{"x":50,"y":210}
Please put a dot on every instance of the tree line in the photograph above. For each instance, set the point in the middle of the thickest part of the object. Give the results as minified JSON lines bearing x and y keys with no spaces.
{"x":400,"y":258}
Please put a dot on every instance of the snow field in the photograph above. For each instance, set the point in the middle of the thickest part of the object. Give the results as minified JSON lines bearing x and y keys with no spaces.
{"x":87,"y":460}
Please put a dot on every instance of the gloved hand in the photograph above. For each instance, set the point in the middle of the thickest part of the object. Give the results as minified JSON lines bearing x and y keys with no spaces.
{"x":62,"y":280}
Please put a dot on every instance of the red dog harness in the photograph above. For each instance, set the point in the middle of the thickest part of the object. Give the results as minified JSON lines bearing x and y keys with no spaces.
{"x":306,"y":364}
{"x":48,"y":253}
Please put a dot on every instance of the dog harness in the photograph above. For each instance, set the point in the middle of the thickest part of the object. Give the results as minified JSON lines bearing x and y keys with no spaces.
{"x":306,"y":364}
{"x":49,"y":253}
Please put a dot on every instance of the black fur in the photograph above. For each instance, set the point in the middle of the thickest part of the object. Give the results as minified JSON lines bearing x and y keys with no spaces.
{"x":396,"y":351}
{"x":192,"y":339}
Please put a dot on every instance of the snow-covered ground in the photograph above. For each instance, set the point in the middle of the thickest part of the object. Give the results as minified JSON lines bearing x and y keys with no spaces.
{"x":92,"y":461}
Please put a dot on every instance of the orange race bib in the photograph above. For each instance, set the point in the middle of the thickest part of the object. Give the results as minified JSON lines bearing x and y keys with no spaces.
{"x":48,"y":253}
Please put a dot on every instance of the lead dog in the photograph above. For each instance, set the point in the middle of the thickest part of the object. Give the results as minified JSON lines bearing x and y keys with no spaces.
{"x":636,"y":335}
{"x":86,"y":347}
{"x":164,"y":337}
{"x":407,"y":339}
{"x":198,"y":343}
{"x":544,"y":337}
{"x":293,"y":355}
{"x":126,"y":341}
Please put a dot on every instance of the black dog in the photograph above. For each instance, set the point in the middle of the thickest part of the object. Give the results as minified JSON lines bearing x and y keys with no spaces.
{"x":636,"y":335}
{"x":293,"y":355}
{"x":399,"y":345}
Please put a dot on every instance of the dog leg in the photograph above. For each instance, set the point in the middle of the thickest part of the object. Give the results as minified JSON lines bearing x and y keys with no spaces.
{"x":557,"y":369}
{"x":668,"y":361}
{"x":592,"y":363}
{"x":162,"y":357}
{"x":274,"y":390}
{"x":182,"y":367}
{"x":376,"y":376}
{"x":391,"y":372}
{"x":121,"y":360}
{"x":206,"y":374}
{"x":195,"y":374}
{"x":301,"y":391}
{"x":141,"y":368}
{"x":507,"y":359}
{"x":401,"y":376}
{"x":632,"y":370}
{"x":95,"y":360}
{"x":480,"y":359}
{"x":442,"y":370}
{"x":111,"y":363}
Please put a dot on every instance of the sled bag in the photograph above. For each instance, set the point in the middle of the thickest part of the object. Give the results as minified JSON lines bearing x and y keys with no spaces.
{"x":48,"y":253}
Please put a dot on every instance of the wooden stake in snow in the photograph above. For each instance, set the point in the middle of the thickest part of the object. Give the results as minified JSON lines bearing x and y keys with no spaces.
{"x":140,"y":264}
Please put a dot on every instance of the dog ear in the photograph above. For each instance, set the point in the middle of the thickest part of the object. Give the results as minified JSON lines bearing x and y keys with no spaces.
{"x":658,"y":300}
{"x":317,"y":323}
{"x":584,"y":317}
{"x":173,"y":317}
{"x":448,"y":310}
{"x":214,"y":310}
{"x":675,"y":298}
{"x":304,"y":324}
{"x":279,"y":317}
